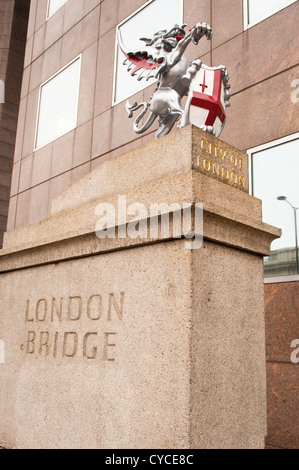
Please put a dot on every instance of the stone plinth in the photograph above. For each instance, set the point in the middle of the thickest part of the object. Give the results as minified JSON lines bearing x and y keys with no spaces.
{"x":139,"y":342}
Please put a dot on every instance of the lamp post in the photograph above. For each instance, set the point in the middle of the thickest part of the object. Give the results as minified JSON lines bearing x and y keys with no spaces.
{"x":284,"y":198}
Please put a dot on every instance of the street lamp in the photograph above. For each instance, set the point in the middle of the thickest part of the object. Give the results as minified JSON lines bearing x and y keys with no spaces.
{"x":284,"y":198}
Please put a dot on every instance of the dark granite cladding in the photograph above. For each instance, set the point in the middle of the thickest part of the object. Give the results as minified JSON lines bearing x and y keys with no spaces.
{"x":13,"y":22}
{"x":282,"y":327}
{"x":283,"y":405}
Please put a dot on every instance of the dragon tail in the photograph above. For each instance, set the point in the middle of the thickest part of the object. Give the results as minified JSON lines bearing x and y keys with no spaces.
{"x":150,"y":120}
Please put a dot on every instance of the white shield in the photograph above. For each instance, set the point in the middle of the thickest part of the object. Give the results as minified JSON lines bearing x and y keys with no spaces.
{"x":207,"y":99}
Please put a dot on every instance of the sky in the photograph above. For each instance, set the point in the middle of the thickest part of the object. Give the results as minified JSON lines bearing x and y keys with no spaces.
{"x":276,"y":173}
{"x":262,"y":8}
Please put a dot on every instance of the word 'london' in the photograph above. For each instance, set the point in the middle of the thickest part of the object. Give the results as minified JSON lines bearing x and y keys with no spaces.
{"x":44,"y":315}
{"x":216,"y":169}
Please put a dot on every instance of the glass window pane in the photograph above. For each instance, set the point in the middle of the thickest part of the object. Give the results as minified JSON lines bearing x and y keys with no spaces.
{"x":275,"y":173}
{"x":54,"y":5}
{"x":258,"y":9}
{"x":160,"y":14}
{"x":58,"y":105}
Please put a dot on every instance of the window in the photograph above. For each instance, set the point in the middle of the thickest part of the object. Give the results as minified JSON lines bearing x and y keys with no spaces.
{"x":58,"y":104}
{"x":55,"y":5}
{"x":257,"y":10}
{"x":275,"y":170}
{"x":154,"y":16}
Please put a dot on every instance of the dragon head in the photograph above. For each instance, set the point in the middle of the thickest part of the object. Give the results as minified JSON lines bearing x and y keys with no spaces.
{"x":148,"y":60}
{"x":166,"y":40}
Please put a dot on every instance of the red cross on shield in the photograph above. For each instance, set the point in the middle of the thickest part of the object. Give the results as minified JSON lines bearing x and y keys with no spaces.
{"x":206,"y":100}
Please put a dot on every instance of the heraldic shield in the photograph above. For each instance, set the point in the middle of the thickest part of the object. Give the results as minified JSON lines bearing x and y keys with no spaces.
{"x":208,"y":99}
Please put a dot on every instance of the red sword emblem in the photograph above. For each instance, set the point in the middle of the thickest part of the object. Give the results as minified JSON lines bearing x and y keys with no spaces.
{"x":203,"y":85}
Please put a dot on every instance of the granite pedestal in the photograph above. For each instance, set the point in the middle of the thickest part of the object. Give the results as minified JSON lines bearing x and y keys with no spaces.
{"x":139,"y":342}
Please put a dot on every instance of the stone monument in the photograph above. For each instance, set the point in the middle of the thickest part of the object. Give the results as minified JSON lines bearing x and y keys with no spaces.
{"x":118,"y":338}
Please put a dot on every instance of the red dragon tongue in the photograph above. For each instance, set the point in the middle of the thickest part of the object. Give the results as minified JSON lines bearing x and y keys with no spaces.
{"x":141,"y":64}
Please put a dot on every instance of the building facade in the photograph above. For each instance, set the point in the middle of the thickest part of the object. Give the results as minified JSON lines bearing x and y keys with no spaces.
{"x":13,"y":24}
{"x":70,"y":100}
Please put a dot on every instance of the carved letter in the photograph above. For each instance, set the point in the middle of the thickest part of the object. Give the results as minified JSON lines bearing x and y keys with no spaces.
{"x":56,"y":310}
{"x":222,"y":154}
{"x":41,"y":310}
{"x":27,"y":319}
{"x":234,"y":177}
{"x":43,"y":341}
{"x":216,"y":169}
{"x":225,"y":177}
{"x":78,"y":312}
{"x":118,"y":310}
{"x":55,"y":344}
{"x":75,"y":345}
{"x":216,"y":148}
{"x":242,"y":182}
{"x":94,"y":349}
{"x":108,"y":345}
{"x":234,"y":160}
{"x":30,"y":341}
{"x":202,"y":145}
{"x":206,"y":164}
{"x":98,"y":310}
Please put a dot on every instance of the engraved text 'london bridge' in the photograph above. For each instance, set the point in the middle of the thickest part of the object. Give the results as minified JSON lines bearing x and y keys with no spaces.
{"x":46,"y":316}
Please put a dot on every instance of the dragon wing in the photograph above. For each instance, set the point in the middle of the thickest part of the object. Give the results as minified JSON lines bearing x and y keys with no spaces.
{"x":140,"y":61}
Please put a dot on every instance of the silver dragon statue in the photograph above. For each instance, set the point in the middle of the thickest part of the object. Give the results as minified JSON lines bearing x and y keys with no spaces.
{"x":163,"y":58}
